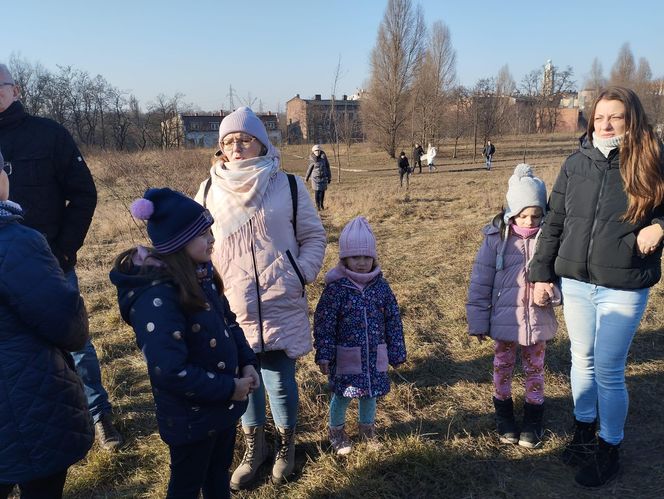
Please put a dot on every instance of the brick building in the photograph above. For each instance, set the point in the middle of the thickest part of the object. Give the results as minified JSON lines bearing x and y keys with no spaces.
{"x":310,"y":120}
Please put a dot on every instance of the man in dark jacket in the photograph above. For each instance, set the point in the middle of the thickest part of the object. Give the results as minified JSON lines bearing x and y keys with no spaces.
{"x":488,"y":152}
{"x":418,"y":152}
{"x":52,"y":183}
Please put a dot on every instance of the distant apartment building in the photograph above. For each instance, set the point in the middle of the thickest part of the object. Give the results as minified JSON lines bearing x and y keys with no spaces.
{"x":312,"y":120}
{"x":202,"y":129}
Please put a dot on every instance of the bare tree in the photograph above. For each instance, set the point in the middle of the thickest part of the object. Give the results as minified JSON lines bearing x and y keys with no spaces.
{"x":394,"y":60}
{"x":623,"y":71}
{"x":433,"y":85}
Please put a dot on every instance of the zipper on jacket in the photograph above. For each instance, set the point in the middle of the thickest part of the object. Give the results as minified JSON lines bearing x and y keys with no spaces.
{"x":592,"y":229}
{"x":528,"y":328}
{"x":296,"y":269}
{"x":258,"y":291}
{"x":366,"y":337}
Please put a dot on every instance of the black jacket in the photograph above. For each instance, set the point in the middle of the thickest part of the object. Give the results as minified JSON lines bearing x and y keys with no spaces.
{"x":403,"y":164}
{"x":583,"y":236}
{"x":49,"y":179}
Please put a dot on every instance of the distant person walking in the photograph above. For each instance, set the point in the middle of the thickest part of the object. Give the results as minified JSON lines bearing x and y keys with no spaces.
{"x":418,"y":152}
{"x":357,"y":332}
{"x":501,"y":306}
{"x":603,"y":239}
{"x":431,"y":155}
{"x":488,"y":152}
{"x":53,"y":184}
{"x":320,"y":174}
{"x":404,"y":169}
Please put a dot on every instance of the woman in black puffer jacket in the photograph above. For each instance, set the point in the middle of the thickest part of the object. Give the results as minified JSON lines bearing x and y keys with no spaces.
{"x":602,"y":237}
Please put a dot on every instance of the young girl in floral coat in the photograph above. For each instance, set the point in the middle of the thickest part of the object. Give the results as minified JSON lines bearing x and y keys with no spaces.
{"x":357,"y":333}
{"x":501,"y":306}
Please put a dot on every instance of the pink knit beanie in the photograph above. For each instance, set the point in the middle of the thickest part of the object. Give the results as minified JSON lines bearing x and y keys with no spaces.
{"x":357,"y":239}
{"x":244,"y":120}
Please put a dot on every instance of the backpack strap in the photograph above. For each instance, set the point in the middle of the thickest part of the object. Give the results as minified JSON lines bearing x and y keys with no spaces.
{"x":208,"y":184}
{"x":292,"y":183}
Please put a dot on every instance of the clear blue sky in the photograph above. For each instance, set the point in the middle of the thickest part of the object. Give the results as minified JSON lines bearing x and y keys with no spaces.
{"x":274,"y":49}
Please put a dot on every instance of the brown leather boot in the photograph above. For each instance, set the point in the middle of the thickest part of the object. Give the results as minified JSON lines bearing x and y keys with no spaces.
{"x":284,"y":462}
{"x":255,"y":454}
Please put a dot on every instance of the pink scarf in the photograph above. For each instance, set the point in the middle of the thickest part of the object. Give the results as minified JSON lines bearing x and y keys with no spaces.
{"x":525,"y":232}
{"x":360,"y":280}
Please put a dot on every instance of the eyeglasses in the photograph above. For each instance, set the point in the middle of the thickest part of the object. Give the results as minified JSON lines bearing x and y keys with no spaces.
{"x":7,"y":167}
{"x":243,"y":142}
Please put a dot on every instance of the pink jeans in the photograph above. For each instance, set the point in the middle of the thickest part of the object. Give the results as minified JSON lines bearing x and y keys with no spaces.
{"x":532,"y":359}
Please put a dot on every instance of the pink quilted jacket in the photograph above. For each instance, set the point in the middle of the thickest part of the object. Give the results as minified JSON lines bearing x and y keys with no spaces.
{"x":264,"y":274}
{"x":500,"y":302}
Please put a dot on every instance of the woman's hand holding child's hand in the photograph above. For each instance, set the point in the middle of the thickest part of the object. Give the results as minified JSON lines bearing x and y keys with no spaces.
{"x":324,"y":366}
{"x":543,"y":293}
{"x":242,"y":388}
{"x":250,"y":372}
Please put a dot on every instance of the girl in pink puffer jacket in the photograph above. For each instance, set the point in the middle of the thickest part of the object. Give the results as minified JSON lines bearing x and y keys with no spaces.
{"x":500,"y":305}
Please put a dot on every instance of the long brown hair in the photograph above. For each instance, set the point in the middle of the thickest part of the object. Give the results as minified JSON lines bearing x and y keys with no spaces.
{"x":640,"y":155}
{"x":181,"y":269}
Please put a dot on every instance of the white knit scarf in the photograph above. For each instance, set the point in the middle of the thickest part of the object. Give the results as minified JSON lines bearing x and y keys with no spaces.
{"x":605,"y":146}
{"x":238,"y":190}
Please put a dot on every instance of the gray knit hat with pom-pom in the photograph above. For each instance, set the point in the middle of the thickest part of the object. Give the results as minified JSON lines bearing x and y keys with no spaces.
{"x":525,"y":190}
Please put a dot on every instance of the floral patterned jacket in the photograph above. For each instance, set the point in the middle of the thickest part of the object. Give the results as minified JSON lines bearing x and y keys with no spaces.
{"x":359,"y":332}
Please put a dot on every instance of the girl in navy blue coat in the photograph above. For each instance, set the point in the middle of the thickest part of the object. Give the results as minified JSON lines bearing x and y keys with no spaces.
{"x":357,"y":333}
{"x":200,"y":365}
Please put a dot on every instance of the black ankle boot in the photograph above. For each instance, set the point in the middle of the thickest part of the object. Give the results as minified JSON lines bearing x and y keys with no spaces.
{"x":603,"y":467}
{"x":532,"y":430}
{"x":582,"y":446}
{"x":505,"y":423}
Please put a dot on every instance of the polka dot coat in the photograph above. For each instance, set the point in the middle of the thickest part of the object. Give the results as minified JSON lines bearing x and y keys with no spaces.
{"x":192,"y":358}
{"x":359,"y":332}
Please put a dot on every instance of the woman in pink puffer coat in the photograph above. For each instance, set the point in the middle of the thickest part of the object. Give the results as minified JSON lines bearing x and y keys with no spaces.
{"x":265,"y":254}
{"x":500,"y":305}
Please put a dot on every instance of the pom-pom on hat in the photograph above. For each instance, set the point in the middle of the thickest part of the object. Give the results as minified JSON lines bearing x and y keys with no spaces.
{"x":173,"y":219}
{"x":357,"y":239}
{"x":524,"y":190}
{"x":244,"y":120}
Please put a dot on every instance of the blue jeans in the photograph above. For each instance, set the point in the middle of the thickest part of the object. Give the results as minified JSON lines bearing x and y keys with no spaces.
{"x":339,"y":406}
{"x":87,"y":367}
{"x":277,"y":372}
{"x":601,"y":323}
{"x":488,"y":162}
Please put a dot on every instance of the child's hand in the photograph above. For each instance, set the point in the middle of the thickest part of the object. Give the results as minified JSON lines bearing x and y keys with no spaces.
{"x":480,"y":337}
{"x":543,"y":293}
{"x":324,"y":366}
{"x":250,"y":372}
{"x":242,"y":386}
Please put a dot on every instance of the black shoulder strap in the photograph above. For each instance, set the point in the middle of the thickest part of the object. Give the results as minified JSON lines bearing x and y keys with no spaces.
{"x":208,"y":184}
{"x":292,"y":183}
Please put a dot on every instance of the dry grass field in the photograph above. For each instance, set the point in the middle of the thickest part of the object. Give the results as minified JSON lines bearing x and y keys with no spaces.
{"x":436,"y":424}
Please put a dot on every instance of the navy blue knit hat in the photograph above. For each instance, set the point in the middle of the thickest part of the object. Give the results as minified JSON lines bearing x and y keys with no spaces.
{"x":173,"y":219}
